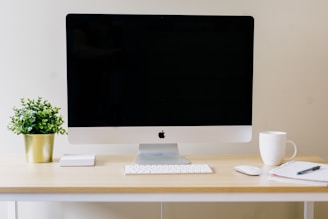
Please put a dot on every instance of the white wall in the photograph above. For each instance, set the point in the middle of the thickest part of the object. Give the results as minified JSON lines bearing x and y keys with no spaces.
{"x":290,"y":82}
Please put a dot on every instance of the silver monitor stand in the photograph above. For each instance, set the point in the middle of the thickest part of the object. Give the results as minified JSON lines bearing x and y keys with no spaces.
{"x":159,"y":154}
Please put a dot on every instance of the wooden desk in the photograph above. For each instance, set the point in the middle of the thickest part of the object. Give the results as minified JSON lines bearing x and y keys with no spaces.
{"x":106,"y":182}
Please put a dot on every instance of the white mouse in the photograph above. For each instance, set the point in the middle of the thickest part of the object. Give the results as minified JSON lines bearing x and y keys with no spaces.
{"x":248,"y":170}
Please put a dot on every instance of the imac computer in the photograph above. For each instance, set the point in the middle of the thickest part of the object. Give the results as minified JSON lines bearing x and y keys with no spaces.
{"x":159,"y":80}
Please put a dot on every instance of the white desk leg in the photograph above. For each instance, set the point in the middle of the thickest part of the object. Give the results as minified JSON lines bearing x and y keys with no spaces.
{"x":308,"y":210}
{"x":12,"y":210}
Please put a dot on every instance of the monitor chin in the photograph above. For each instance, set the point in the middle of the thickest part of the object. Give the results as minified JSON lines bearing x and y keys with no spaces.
{"x":160,"y":135}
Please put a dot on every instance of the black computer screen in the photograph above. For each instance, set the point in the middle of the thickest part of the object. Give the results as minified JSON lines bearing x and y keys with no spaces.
{"x":159,"y":70}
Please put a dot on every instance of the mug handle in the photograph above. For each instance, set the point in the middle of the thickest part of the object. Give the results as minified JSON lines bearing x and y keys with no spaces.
{"x":295,"y":151}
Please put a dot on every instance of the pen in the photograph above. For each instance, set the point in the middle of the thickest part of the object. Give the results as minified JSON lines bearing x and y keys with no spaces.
{"x":308,"y":170}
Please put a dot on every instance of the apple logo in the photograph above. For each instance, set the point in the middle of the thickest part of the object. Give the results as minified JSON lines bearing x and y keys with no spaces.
{"x":161,"y":134}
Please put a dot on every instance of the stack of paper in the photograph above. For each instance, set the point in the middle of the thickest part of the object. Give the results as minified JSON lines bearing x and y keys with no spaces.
{"x":315,"y":174}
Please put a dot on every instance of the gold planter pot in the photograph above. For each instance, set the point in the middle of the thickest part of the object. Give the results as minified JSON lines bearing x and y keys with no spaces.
{"x":39,"y":147}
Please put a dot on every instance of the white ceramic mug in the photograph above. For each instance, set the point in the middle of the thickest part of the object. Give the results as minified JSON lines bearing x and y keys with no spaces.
{"x":273,"y":147}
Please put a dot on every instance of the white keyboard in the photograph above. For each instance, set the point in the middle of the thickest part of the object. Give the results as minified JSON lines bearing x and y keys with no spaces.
{"x":167,"y":169}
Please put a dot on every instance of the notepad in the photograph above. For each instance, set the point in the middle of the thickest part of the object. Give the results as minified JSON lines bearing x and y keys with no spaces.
{"x":77,"y":160}
{"x":289,"y":171}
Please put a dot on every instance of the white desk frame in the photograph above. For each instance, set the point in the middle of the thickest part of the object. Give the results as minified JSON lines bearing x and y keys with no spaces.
{"x":307,"y":198}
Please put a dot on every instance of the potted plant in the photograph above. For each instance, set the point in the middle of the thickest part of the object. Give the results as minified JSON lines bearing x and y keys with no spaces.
{"x":38,"y":121}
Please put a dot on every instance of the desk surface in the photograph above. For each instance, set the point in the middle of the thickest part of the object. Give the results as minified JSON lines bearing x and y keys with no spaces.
{"x":107,"y":176}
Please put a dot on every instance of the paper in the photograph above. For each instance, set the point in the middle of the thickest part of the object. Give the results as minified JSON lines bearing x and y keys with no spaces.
{"x":289,"y":171}
{"x":296,"y":181}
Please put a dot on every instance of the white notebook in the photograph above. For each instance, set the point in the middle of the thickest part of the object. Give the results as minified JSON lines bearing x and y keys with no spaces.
{"x":77,"y":160}
{"x":291,"y":169}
